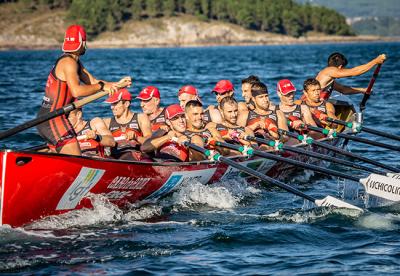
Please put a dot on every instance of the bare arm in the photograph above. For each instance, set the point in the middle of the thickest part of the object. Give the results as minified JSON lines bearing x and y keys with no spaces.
{"x":215,"y":115}
{"x":347,"y":90}
{"x":282,"y":124}
{"x":307,"y":116}
{"x":153,"y":144}
{"x":193,"y":154}
{"x":98,"y":125}
{"x":330,"y":110}
{"x":356,"y":71}
{"x":145,"y":127}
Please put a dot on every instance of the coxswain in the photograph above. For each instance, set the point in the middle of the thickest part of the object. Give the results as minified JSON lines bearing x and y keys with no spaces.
{"x":93,"y":136}
{"x":229,"y":130}
{"x":129,"y":129}
{"x":299,"y":115}
{"x":336,"y":70}
{"x":171,"y":145}
{"x":246,"y":90}
{"x":264,"y":119}
{"x":67,"y":81}
{"x":317,"y":106}
{"x":150,"y":103}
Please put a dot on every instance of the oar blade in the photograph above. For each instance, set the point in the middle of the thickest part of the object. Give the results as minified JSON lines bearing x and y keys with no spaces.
{"x":382,"y":186}
{"x":331,"y":201}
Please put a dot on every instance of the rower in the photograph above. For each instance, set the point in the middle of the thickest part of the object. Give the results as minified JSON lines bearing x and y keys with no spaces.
{"x":229,"y":130}
{"x":190,"y":93}
{"x":336,"y":69}
{"x":129,"y":129}
{"x":171,"y":145}
{"x":264,"y":119}
{"x":297,"y":114}
{"x":68,"y":80}
{"x":246,"y":90}
{"x":93,"y":136}
{"x":150,"y":103}
{"x":312,"y":98}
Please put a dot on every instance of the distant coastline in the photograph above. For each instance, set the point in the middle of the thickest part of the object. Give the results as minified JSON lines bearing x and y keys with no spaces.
{"x":183,"y":31}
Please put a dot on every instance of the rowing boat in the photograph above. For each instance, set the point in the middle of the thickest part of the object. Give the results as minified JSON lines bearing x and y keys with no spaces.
{"x":37,"y":184}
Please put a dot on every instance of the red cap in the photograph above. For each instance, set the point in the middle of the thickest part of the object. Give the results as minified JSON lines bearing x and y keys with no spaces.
{"x":285,"y":86}
{"x":188,"y":89}
{"x":121,"y":95}
{"x":75,"y":35}
{"x":173,"y":110}
{"x":223,"y":86}
{"x":148,"y":92}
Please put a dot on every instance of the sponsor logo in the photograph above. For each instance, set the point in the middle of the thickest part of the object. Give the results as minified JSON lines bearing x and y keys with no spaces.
{"x":380,"y":186}
{"x":134,"y":125}
{"x":179,"y":178}
{"x":83,"y":183}
{"x":160,"y":120}
{"x":127,"y":183}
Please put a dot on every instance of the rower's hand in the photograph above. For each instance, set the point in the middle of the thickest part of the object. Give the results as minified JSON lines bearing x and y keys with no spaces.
{"x":380,"y":59}
{"x":182,"y":139}
{"x":90,"y":134}
{"x":297,"y":124}
{"x":124,"y":82}
{"x":164,"y":127}
{"x":110,"y":87}
{"x":130,"y":135}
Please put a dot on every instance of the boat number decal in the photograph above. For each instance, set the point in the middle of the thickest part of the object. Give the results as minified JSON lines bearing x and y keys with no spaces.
{"x":82,"y":184}
{"x":180,"y":178}
{"x":231,"y":172}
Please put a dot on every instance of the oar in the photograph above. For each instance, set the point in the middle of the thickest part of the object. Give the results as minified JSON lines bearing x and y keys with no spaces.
{"x":327,"y":201}
{"x":58,"y":112}
{"x":317,"y":155}
{"x":356,"y":127}
{"x":377,"y":185}
{"x":327,"y":132}
{"x":367,"y":93}
{"x":309,"y":140}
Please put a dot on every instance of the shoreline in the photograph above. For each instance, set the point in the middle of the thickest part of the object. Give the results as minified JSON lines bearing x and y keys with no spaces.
{"x":280,"y":42}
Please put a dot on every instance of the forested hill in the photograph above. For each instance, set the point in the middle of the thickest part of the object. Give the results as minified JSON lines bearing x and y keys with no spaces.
{"x":276,"y":16}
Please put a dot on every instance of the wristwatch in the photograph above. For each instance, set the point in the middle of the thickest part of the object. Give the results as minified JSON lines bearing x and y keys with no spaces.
{"x":101,"y":85}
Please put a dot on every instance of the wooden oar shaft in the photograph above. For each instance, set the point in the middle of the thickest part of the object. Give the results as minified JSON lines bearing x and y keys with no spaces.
{"x":58,"y":112}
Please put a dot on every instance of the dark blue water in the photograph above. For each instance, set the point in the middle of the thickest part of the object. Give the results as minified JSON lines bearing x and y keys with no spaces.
{"x":229,"y":228}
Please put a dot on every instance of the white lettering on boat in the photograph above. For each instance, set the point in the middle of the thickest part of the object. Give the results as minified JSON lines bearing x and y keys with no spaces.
{"x":256,"y":165}
{"x":117,"y":194}
{"x":179,"y":178}
{"x":128,"y":183}
{"x":83,"y":183}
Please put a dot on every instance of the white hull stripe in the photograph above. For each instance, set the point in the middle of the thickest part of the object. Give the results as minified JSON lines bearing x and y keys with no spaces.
{"x":3,"y":184}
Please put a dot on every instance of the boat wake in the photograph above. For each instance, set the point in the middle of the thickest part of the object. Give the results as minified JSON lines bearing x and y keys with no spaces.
{"x":191,"y":196}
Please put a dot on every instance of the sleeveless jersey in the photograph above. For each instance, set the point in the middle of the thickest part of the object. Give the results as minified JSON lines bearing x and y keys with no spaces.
{"x":322,"y":108}
{"x":118,"y":131}
{"x":158,"y":121}
{"x":223,"y":130}
{"x":254,"y":117}
{"x":207,"y":116}
{"x":296,"y":112}
{"x":57,"y":131}
{"x":90,"y":146}
{"x":327,"y":91}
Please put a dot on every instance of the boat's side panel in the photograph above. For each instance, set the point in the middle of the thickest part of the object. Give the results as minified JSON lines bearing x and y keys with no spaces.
{"x":42,"y":185}
{"x":3,"y":158}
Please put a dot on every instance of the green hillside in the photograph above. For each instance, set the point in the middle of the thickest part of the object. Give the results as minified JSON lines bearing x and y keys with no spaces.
{"x":277,"y":16}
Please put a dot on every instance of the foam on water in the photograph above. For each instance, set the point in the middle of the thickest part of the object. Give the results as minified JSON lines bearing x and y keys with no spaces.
{"x":378,"y":222}
{"x":222,"y":195}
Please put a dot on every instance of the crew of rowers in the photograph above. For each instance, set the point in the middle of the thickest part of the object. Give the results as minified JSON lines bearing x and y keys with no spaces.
{"x":160,"y":133}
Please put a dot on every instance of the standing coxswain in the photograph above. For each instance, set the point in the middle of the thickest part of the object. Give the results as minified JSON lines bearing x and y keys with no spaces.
{"x":68,"y":80}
